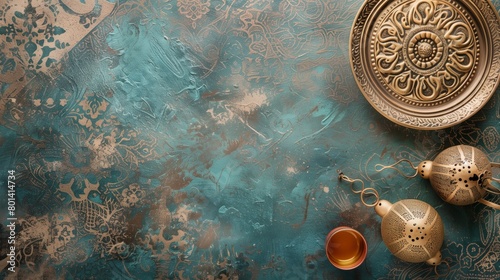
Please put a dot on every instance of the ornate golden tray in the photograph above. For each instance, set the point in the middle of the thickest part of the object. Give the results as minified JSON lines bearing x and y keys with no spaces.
{"x":426,"y":64}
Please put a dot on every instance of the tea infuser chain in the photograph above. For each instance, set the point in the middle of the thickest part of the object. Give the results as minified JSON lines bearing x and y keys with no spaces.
{"x":363,"y":191}
{"x":380,"y":167}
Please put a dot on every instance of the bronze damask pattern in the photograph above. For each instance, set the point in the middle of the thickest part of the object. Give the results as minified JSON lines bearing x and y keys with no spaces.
{"x":193,"y":10}
{"x":197,"y":139}
{"x":37,"y":34}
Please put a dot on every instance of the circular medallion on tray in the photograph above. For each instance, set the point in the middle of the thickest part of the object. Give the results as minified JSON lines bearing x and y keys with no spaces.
{"x":426,"y":64}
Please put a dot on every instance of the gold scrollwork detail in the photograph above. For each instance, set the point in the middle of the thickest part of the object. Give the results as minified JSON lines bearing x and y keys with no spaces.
{"x":425,"y":51}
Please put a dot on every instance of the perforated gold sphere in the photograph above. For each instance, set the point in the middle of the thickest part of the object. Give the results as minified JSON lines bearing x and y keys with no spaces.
{"x":458,"y":174}
{"x":412,"y":230}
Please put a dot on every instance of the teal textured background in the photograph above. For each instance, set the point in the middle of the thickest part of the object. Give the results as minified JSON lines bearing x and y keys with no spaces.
{"x":201,"y":139}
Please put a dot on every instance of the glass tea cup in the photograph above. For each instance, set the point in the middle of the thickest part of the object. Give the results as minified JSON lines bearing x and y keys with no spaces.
{"x":345,"y":247}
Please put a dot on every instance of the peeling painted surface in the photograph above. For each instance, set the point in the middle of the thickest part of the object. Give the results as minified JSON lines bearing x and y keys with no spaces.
{"x":200,"y":139}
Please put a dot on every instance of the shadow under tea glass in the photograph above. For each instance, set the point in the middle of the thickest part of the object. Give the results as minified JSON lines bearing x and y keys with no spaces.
{"x":346,"y":248}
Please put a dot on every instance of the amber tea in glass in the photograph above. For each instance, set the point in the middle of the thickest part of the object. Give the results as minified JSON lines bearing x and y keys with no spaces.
{"x":345,"y":248}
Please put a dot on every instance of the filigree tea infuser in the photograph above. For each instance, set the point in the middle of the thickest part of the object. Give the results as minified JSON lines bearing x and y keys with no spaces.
{"x":460,"y":175}
{"x":411,"y":229}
